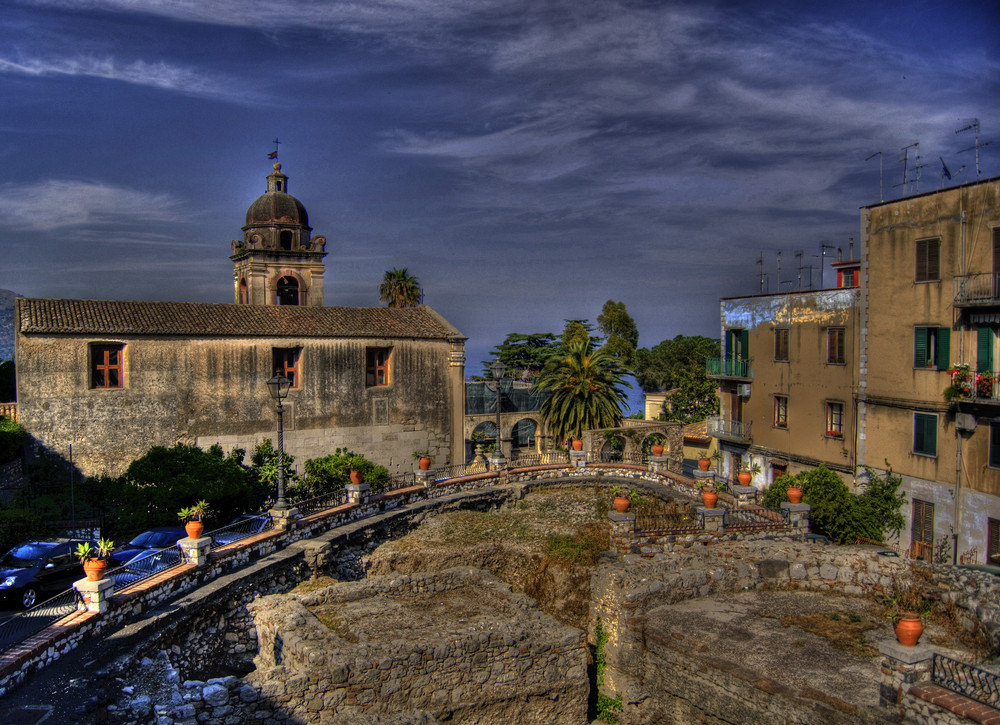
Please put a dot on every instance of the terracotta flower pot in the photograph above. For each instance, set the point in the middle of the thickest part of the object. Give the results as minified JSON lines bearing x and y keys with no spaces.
{"x":744,"y":477}
{"x":577,"y":444}
{"x":356,"y":477}
{"x":95,"y":568}
{"x":424,"y":462}
{"x":709,"y":498}
{"x":795,"y":494}
{"x":657,"y":450}
{"x":621,"y":504}
{"x":194,"y":529}
{"x":704,"y":463}
{"x":909,"y":628}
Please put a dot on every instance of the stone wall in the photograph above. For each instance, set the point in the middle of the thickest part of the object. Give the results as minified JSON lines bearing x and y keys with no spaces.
{"x":502,"y":662}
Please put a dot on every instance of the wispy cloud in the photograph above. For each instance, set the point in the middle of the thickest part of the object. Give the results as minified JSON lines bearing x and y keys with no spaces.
{"x":52,"y":205}
{"x":137,"y":72}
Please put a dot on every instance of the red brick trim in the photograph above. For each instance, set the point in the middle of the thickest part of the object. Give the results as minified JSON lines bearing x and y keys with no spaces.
{"x":958,"y":704}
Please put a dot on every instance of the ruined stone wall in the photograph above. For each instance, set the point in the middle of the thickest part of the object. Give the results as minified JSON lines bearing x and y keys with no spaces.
{"x":512,"y":664}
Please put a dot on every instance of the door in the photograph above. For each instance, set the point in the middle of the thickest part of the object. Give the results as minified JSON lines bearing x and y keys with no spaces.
{"x":922,"y":530}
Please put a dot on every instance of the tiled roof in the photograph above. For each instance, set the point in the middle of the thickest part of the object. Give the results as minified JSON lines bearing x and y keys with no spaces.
{"x":697,"y":431}
{"x":196,"y":319}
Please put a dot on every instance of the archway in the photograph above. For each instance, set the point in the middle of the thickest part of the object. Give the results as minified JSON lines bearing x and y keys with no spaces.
{"x":484,"y":434}
{"x":523,"y":436}
{"x":288,"y":291}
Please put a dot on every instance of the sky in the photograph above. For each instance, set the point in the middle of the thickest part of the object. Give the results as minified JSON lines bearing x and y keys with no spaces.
{"x":527,"y":160}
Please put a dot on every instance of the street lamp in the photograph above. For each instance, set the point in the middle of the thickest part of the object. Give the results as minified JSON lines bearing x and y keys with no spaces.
{"x":278,"y":388}
{"x":497,"y":369}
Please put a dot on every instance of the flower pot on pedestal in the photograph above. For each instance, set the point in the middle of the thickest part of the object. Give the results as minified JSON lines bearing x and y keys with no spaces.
{"x":909,"y":628}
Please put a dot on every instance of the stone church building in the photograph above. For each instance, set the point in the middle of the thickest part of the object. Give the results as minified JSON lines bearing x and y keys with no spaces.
{"x":112,"y":378}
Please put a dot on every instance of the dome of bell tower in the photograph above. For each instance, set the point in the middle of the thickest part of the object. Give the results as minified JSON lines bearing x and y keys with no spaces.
{"x":277,"y":206}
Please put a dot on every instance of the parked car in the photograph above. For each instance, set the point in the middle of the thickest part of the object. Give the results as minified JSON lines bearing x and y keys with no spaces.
{"x":146,"y":564}
{"x":152,"y":540}
{"x":241,"y":527}
{"x":34,"y":570}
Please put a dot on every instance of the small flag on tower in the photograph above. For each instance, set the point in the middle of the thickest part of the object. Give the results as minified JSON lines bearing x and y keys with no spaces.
{"x":274,"y":154}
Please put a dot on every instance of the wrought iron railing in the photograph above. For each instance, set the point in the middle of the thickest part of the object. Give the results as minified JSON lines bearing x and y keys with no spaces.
{"x":144,"y":566}
{"x":461,"y":469}
{"x":966,"y":680}
{"x":727,"y":367}
{"x":679,"y":523}
{"x":620,"y":457}
{"x":243,"y":528}
{"x":749,"y":519}
{"x":327,"y":500}
{"x":719,"y":427}
{"x":551,"y":458}
{"x":34,"y":620}
{"x":972,"y":289}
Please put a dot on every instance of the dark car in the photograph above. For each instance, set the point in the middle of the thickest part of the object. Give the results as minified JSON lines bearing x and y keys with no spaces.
{"x":241,"y":527}
{"x":35,"y":569}
{"x":152,"y":540}
{"x":145,"y":565}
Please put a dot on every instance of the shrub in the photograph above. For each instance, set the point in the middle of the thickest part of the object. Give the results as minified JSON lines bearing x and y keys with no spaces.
{"x":13,"y":436}
{"x":330,"y":473}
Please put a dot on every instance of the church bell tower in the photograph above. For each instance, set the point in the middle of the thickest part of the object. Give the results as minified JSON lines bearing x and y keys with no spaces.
{"x":278,"y":262}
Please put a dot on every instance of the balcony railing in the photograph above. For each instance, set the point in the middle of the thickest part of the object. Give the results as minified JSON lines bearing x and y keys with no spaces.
{"x":727,"y":367}
{"x":732,"y":430}
{"x":980,"y":388}
{"x":977,"y":290}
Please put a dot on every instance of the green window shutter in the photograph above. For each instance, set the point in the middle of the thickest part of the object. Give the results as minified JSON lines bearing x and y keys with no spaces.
{"x":730,"y":352}
{"x":925,"y":434}
{"x":984,"y":349}
{"x":920,"y":347}
{"x":943,"y":361}
{"x":745,"y":344}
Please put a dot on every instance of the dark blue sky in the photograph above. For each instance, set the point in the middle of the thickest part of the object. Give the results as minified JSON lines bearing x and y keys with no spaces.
{"x":526,"y":160}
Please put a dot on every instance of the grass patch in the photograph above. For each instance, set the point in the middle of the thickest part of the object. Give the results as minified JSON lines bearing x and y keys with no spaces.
{"x":847,"y":635}
{"x":583,"y":547}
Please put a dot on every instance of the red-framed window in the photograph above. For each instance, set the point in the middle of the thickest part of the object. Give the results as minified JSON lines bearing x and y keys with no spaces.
{"x":377,"y":366}
{"x":286,"y":362}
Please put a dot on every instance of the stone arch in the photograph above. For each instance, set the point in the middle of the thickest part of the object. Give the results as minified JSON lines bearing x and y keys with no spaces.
{"x":524,"y":434}
{"x":274,"y":288}
{"x":244,"y":292}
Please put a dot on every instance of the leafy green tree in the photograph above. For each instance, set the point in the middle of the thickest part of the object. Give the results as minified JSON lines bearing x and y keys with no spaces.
{"x":695,"y":397}
{"x":663,"y":367}
{"x":400,"y":289}
{"x":8,"y":387}
{"x":585,"y":391}
{"x":522,"y":353}
{"x":331,"y":473}
{"x":264,"y":463}
{"x":13,"y":436}
{"x":840,"y":514}
{"x":621,"y":334}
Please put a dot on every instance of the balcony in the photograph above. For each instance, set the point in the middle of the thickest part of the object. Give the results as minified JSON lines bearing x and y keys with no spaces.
{"x":735,"y":431}
{"x":977,"y":290}
{"x":729,"y":368}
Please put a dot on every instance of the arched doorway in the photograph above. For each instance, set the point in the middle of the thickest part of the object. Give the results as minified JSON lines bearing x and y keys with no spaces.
{"x":288,"y":291}
{"x":484,"y":434}
{"x":523,"y":436}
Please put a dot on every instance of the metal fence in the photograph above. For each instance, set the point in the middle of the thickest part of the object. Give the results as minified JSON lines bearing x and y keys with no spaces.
{"x":144,"y":566}
{"x":328,"y":500}
{"x":552,"y":458}
{"x":34,"y":620}
{"x":749,"y":520}
{"x":650,"y":524}
{"x":966,"y":680}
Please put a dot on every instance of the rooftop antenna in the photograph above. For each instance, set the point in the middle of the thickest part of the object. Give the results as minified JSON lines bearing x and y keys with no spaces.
{"x":916,"y":181}
{"x":906,"y":160}
{"x":798,"y":256}
{"x":823,"y":246}
{"x":973,"y":125}
{"x":881,"y":195}
{"x":760,"y":270}
{"x":779,"y":271}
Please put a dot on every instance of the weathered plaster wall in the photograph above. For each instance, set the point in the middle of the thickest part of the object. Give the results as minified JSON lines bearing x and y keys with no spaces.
{"x":213,"y":390}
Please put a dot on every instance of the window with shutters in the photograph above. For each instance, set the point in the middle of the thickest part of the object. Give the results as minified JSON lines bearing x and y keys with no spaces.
{"x":925,"y":434}
{"x":780,"y":411}
{"x":737,"y":353}
{"x":922,"y":530}
{"x":835,"y":354}
{"x":781,"y":344}
{"x":928,"y":260}
{"x":984,"y":349}
{"x":931,"y":348}
{"x":286,"y":362}
{"x":107,"y":366}
{"x":993,"y":541}
{"x":835,"y":419}
{"x":995,"y":445}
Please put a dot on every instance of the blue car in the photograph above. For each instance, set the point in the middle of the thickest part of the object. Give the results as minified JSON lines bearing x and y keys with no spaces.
{"x":152,"y":540}
{"x":35,"y":570}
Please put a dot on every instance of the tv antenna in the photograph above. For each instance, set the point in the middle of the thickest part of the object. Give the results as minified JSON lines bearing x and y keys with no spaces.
{"x":881,"y":196}
{"x":906,"y":162}
{"x":760,"y":271}
{"x":973,"y":125}
{"x":823,"y":247}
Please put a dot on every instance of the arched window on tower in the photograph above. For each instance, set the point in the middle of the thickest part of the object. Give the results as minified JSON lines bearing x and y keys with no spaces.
{"x":244,"y":294}
{"x":286,"y":240}
{"x":288,"y":291}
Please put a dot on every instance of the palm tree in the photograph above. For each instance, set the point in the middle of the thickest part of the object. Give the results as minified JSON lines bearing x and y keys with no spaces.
{"x":585,"y":391}
{"x":400,"y":289}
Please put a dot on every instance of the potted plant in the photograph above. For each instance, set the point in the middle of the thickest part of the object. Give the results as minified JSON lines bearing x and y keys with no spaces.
{"x":193,"y":515}
{"x":708,"y":496}
{"x":621,"y":499}
{"x":908,"y":628}
{"x":95,"y":558}
{"x":794,"y":492}
{"x":577,"y":444}
{"x":656,"y":444}
{"x":961,"y":383}
{"x":423,"y":459}
{"x":704,"y":462}
{"x":746,"y":471}
{"x":984,"y":384}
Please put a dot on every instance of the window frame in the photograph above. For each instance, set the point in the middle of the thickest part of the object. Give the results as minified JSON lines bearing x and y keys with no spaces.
{"x":926,"y":338}
{"x":840,"y":335}
{"x":374,"y":365}
{"x":780,"y":417}
{"x":280,"y":364}
{"x":927,"y":255}
{"x":834,"y":419}
{"x":923,"y":425}
{"x":96,"y":367}
{"x":781,"y":340}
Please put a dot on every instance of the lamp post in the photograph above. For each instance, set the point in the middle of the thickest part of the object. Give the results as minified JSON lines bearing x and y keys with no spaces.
{"x":278,"y":388}
{"x":497,"y":369}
